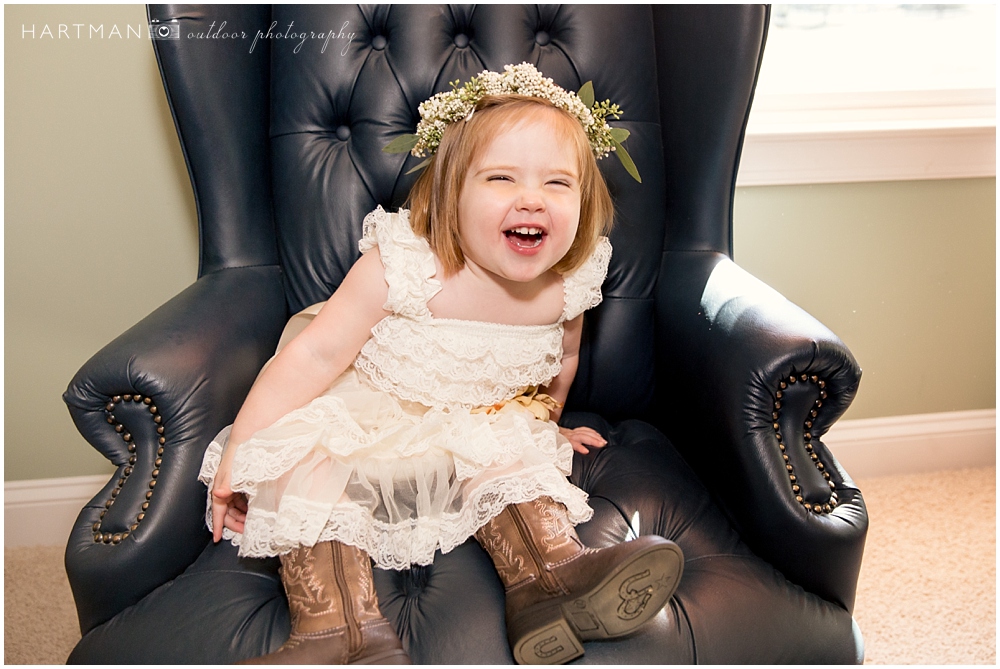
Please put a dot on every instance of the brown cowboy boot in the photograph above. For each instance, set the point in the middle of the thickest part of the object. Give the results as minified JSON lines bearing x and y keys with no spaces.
{"x":560,"y":593}
{"x":334,"y":610}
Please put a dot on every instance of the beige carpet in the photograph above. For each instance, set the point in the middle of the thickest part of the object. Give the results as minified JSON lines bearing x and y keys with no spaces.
{"x":39,"y":618}
{"x":927,"y":593}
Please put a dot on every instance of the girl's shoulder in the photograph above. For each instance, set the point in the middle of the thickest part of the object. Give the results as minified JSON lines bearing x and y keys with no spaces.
{"x":582,"y":286}
{"x":407,"y":258}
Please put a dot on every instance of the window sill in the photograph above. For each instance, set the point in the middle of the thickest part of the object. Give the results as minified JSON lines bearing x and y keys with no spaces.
{"x":878,"y":136}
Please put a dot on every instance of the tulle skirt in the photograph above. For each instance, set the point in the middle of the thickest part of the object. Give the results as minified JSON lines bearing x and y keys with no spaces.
{"x":394,"y":478}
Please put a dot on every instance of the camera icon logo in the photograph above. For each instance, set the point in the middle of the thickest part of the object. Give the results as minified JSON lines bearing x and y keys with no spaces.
{"x":159,"y":30}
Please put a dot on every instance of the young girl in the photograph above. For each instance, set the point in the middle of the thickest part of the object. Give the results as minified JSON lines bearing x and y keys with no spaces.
{"x":417,"y":408}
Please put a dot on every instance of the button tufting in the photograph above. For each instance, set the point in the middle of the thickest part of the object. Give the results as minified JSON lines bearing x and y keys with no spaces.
{"x":542,"y":38}
{"x":461,"y":41}
{"x":379,"y":42}
{"x":343,"y":133}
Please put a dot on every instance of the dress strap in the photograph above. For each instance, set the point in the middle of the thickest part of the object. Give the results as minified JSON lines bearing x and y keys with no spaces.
{"x":408,"y":261}
{"x":582,"y":287}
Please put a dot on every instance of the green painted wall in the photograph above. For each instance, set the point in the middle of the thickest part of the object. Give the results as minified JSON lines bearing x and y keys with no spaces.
{"x":99,"y":227}
{"x":100,"y":230}
{"x":903,"y":272}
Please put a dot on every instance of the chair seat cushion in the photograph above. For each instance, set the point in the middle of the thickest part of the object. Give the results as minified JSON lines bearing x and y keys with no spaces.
{"x":224,"y":608}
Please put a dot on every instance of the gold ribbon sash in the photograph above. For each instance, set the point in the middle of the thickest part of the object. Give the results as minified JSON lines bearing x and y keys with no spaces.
{"x":539,"y":404}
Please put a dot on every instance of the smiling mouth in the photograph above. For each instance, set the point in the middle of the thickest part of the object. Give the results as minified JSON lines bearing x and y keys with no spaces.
{"x":525,"y":237}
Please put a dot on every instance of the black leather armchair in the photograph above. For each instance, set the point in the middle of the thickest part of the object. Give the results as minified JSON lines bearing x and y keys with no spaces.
{"x":713,"y":391}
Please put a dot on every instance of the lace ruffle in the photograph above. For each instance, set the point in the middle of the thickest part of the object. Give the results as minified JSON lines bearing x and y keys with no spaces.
{"x":398,"y":546}
{"x":441,"y":363}
{"x":408,"y":261}
{"x":583,"y":287}
{"x":474,"y":442}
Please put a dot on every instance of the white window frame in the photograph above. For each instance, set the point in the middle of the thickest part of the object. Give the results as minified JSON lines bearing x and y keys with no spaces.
{"x":892,"y":136}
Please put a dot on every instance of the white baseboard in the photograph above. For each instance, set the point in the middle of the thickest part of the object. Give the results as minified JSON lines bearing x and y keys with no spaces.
{"x":42,"y":511}
{"x":915,"y":443}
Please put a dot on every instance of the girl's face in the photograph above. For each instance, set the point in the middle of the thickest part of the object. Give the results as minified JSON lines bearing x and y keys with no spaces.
{"x":519,"y":209}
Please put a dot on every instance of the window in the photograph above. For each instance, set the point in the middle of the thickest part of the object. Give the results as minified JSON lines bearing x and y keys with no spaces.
{"x":874,"y":92}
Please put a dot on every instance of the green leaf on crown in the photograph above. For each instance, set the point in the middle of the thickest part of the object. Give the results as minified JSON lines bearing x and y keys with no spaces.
{"x":626,"y":160}
{"x":402,"y":144}
{"x":620,"y":134}
{"x":586,"y":94}
{"x":421,"y":166}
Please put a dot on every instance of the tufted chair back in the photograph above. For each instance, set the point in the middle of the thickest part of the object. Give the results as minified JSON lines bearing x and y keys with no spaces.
{"x":334,"y":103}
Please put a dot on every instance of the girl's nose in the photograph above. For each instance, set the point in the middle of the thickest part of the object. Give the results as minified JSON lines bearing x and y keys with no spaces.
{"x":530,"y":200}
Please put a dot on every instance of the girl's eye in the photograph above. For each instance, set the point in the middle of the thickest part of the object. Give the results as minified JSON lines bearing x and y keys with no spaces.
{"x":499,"y":177}
{"x":559,"y":182}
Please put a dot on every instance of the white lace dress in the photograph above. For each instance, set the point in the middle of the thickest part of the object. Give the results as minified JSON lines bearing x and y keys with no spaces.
{"x":391,"y":458}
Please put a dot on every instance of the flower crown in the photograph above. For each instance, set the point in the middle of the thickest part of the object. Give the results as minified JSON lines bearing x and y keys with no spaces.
{"x":460,"y":103}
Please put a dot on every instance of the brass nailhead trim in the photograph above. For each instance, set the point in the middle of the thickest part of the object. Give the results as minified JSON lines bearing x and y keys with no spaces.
{"x":118,"y":537}
{"x":831,"y":504}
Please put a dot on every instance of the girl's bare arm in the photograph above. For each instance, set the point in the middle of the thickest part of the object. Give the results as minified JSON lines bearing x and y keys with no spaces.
{"x":304,"y":369}
{"x":558,"y":388}
{"x":320,"y":353}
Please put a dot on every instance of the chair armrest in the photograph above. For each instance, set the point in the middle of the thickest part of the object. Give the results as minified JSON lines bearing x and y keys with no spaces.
{"x":151,"y":401}
{"x":728,"y":347}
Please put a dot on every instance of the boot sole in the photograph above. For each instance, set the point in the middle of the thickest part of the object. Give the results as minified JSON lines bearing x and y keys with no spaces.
{"x":553,"y":632}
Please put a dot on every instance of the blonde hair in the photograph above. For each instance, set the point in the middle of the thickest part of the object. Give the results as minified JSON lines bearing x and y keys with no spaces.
{"x":433,"y":201}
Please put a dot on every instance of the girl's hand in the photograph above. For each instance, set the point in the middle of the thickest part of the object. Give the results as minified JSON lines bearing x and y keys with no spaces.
{"x":581,"y":437}
{"x":229,"y":509}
